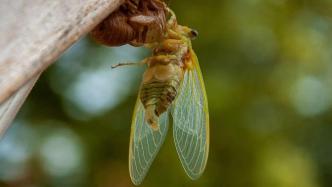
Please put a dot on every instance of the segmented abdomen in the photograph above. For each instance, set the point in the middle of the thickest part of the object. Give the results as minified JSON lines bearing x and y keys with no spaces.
{"x":159,"y":94}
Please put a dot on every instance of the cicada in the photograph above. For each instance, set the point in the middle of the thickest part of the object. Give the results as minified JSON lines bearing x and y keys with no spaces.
{"x":172,"y":86}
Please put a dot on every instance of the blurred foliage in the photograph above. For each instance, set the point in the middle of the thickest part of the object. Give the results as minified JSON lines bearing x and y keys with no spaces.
{"x":267,"y":68}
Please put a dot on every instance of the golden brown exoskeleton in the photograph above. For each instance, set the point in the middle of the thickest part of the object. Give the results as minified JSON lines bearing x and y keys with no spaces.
{"x":136,"y":22}
{"x":166,"y":67}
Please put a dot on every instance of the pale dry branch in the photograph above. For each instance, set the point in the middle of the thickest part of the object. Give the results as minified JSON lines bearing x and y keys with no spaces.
{"x":33,"y":34}
{"x":10,"y":107}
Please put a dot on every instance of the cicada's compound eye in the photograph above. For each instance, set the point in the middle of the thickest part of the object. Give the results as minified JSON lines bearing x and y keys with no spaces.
{"x":187,"y":31}
{"x":193,"y":34}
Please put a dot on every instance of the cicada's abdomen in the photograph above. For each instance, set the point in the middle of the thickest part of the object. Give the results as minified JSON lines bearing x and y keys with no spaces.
{"x":159,"y":89}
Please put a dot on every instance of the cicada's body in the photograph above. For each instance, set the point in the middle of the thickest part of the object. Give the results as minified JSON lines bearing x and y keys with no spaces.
{"x":135,"y":22}
{"x":161,"y":80}
{"x":172,"y":84}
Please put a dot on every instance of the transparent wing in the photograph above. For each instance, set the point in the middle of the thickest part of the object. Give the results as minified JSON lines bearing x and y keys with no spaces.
{"x":191,"y":122}
{"x":144,"y":143}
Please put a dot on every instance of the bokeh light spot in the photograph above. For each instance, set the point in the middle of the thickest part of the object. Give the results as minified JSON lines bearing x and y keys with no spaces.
{"x":310,"y":96}
{"x":61,"y":153}
{"x":15,"y":149}
{"x":96,"y":91}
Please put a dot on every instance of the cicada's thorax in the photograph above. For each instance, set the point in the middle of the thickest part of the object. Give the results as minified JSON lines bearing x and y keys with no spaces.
{"x":161,"y":80}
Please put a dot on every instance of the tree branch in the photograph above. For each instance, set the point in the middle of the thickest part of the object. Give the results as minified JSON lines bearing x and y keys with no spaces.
{"x":33,"y":34}
{"x":11,"y":106}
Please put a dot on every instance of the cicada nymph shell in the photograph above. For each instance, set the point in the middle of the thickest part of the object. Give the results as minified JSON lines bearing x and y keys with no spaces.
{"x":136,"y":22}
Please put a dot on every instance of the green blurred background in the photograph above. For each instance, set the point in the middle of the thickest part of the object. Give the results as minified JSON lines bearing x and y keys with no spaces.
{"x":268,"y":74}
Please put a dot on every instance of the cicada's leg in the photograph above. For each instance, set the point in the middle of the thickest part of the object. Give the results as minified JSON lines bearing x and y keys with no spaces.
{"x":172,"y":22}
{"x":141,"y":19}
{"x":149,"y":60}
{"x":151,"y":45}
{"x":161,"y":59}
{"x":130,"y":64}
{"x":172,"y":44}
{"x":173,"y":34}
{"x":132,"y":5}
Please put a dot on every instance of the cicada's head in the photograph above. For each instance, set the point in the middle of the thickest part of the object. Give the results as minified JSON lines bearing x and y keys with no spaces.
{"x":187,"y":32}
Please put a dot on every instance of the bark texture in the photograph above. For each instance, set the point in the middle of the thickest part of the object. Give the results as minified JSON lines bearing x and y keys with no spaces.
{"x":33,"y":34}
